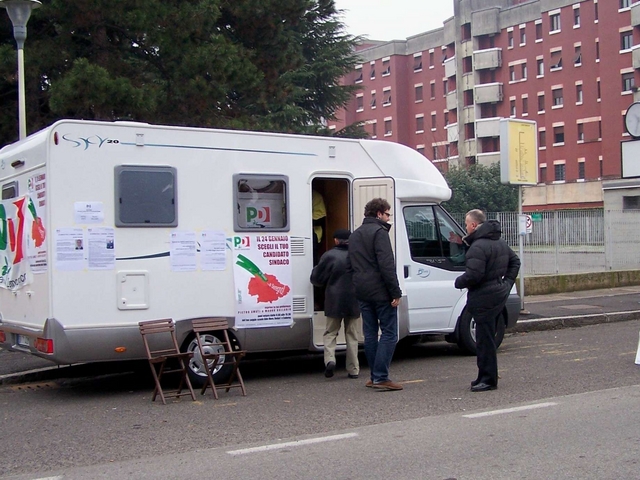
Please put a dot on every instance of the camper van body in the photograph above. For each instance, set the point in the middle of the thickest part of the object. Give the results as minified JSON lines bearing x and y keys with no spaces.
{"x":101,"y":248}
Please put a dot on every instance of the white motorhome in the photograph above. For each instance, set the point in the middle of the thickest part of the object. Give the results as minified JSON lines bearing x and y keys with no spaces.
{"x":104,"y":225}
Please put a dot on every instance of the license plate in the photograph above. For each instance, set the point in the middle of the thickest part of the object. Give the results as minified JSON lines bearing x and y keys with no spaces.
{"x":22,"y":340}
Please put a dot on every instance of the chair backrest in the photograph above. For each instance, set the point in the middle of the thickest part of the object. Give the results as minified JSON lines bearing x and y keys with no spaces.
{"x":212,"y":324}
{"x":153,"y":327}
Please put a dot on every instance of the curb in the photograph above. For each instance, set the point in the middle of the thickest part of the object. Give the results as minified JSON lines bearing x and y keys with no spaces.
{"x":554,"y":323}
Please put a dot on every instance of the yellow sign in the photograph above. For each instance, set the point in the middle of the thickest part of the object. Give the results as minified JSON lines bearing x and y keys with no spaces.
{"x":518,"y":152}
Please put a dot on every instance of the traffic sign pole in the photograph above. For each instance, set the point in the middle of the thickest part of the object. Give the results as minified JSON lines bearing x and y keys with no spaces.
{"x":521,"y":251}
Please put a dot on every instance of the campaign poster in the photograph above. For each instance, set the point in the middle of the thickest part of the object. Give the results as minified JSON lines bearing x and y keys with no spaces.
{"x":37,"y":250}
{"x":263,"y":280}
{"x":20,"y":229}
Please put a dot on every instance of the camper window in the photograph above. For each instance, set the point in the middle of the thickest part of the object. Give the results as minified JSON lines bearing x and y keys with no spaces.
{"x":145,"y":196}
{"x":9,"y":190}
{"x":261,"y":202}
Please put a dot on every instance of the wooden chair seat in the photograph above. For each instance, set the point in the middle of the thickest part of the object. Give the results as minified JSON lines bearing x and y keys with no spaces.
{"x":165,"y":357}
{"x":223,"y":354}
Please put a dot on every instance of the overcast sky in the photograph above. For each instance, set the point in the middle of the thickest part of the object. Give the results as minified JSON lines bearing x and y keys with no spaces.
{"x":393,"y":19}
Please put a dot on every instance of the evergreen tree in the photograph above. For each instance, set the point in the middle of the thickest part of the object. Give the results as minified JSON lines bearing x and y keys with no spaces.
{"x":269,"y":65}
{"x":480,"y":187}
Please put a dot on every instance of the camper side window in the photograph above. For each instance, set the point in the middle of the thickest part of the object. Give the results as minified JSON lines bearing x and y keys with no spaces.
{"x":145,"y":196}
{"x":10,"y":190}
{"x":261,"y":202}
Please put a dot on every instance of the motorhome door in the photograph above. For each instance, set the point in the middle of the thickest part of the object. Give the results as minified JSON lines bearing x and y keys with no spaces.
{"x":365,"y":189}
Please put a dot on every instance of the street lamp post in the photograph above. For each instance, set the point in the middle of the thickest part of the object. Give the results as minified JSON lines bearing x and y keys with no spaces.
{"x":19,"y":12}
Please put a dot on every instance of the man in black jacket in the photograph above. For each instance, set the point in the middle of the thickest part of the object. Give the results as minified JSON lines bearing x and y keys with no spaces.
{"x":377,"y":290}
{"x":339,"y":303}
{"x":491,"y":270}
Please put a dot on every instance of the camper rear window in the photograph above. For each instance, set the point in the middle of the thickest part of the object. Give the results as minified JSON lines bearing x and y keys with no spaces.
{"x":9,"y":190}
{"x":146,"y":196}
{"x":261,"y":202}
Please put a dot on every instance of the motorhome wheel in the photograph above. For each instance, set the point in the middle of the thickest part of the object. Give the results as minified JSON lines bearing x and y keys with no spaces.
{"x":196,"y":370}
{"x":467,"y":332}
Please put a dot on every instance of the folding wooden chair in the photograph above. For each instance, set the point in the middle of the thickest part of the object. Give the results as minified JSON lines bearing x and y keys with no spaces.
{"x":160,"y":351}
{"x":212,"y":335}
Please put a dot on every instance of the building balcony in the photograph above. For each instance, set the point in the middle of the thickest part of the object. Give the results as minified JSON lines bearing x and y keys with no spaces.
{"x":468,"y":114}
{"x":488,"y":127}
{"x":488,"y":93}
{"x":635,"y":14}
{"x":466,"y":49}
{"x":489,"y":58}
{"x":452,"y":100}
{"x":471,"y":148}
{"x":635,"y":55}
{"x":468,"y":81}
{"x":452,"y":132}
{"x":487,"y":159}
{"x":450,"y":67}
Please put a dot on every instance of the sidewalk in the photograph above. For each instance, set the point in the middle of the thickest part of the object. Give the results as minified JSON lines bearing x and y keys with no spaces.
{"x":574,"y":309}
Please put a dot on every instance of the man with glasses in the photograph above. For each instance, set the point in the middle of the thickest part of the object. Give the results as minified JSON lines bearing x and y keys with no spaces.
{"x":378,"y":291}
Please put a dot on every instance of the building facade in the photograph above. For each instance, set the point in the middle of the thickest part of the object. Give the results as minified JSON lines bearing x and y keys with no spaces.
{"x":571,"y":66}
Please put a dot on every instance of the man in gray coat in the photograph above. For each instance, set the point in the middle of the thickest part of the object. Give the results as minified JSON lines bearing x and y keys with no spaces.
{"x":339,"y":303}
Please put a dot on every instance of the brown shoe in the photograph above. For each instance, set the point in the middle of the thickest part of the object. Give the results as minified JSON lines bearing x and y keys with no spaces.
{"x":388,"y":385}
{"x":369,"y":384}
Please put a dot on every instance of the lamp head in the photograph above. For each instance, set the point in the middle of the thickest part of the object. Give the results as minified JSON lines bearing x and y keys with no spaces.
{"x":19,"y":12}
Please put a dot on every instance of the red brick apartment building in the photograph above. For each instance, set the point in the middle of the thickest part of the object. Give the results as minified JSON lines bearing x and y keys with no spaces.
{"x":572,"y":66}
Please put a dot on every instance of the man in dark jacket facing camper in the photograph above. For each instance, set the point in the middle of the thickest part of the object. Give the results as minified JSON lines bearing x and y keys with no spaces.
{"x":491,"y":270}
{"x":377,"y":290}
{"x":339,"y":303}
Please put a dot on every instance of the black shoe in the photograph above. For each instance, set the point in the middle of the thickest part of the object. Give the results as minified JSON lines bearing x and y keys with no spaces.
{"x":329,"y":369}
{"x":353,"y":375}
{"x":483,"y":387}
{"x":475,"y":382}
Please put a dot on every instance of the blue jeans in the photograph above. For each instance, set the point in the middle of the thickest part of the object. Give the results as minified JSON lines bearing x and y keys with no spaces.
{"x":379,"y":351}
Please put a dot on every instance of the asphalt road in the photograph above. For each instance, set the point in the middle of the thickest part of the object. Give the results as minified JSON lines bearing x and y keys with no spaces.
{"x":56,"y":427}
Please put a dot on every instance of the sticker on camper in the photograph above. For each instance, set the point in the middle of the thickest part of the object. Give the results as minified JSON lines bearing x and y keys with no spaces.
{"x":37,"y":247}
{"x":88,"y":212}
{"x":263,"y":282}
{"x":70,"y":249}
{"x":21,"y":229}
{"x":183,"y":251}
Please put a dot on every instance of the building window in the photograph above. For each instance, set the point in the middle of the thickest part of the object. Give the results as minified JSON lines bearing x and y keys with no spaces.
{"x":576,"y":17}
{"x":626,"y":40}
{"x":466,"y":32}
{"x":387,"y":128}
{"x":374,"y":130}
{"x":625,"y":4}
{"x":145,"y":196}
{"x":597,"y":50}
{"x":431,"y":59}
{"x":433,"y":121}
{"x":445,"y":86}
{"x":598,"y":90}
{"x":554,"y":23}
{"x":432,"y":87}
{"x":418,"y":93}
{"x":358,"y":75}
{"x":558,"y":99}
{"x":417,"y":63}
{"x":579,"y":94}
{"x":510,"y":38}
{"x":262,"y":202}
{"x":628,"y":82}
{"x":372,"y":104}
{"x":419,"y":124}
{"x":512,"y":108}
{"x":540,"y":66}
{"x":581,"y":170}
{"x":420,"y":149}
{"x":540,"y":103}
{"x":558,"y":135}
{"x":538,"y":31}
{"x":468,"y":98}
{"x":524,"y":71}
{"x":542,"y":139}
{"x":446,"y":118}
{"x":359,"y":103}
{"x":525,"y":105}
{"x":372,"y":74}
{"x":581,"y":132}
{"x":559,"y":169}
{"x":577,"y":57}
{"x":556,"y":60}
{"x":631,"y":203}
{"x":512,"y":73}
{"x":595,"y":12}
{"x":523,"y":37}
{"x":543,"y":174}
{"x":386,"y":98}
{"x":386,"y":68}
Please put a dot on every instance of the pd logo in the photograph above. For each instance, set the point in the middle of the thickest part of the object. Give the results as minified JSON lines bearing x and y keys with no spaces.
{"x":260,"y":215}
{"x":242,"y":243}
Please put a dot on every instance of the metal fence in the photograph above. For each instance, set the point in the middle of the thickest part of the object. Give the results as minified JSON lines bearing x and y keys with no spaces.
{"x":574,"y":241}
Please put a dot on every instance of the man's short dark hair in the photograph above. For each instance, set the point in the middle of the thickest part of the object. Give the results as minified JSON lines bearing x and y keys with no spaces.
{"x":374,"y":206}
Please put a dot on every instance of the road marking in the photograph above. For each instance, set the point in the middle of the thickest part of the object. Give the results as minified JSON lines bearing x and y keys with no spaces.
{"x":50,"y":478}
{"x":511,"y":410}
{"x":297,"y":443}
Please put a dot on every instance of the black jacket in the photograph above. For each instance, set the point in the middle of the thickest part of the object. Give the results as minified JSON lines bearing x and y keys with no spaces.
{"x":372,"y":263}
{"x":491,"y":266}
{"x":331,"y":271}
